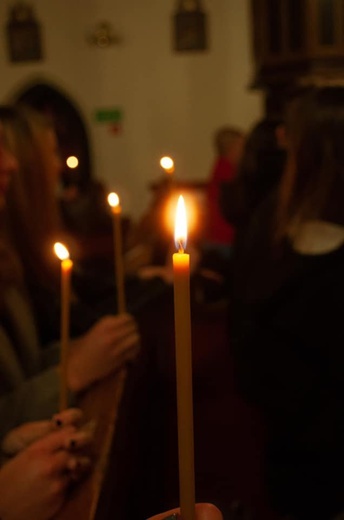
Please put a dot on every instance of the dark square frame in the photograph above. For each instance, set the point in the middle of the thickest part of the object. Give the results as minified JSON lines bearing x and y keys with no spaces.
{"x":190,"y":31}
{"x":24,"y":41}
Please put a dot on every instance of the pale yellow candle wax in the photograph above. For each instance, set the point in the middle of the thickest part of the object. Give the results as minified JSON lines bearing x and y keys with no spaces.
{"x":66,"y":271}
{"x":182,"y":318}
{"x":114,"y":203}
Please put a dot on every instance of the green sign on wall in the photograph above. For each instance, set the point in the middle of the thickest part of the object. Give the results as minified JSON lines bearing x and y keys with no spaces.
{"x":109,"y":115}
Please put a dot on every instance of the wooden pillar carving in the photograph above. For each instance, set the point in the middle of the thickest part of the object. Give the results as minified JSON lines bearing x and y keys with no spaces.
{"x":296,"y":42}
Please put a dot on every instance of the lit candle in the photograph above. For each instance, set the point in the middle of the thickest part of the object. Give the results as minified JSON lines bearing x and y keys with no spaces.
{"x":182,"y":319}
{"x":113,"y":201}
{"x":167,"y":164}
{"x":66,"y":269}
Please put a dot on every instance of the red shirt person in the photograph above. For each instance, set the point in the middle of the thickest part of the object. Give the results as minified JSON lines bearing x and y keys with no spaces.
{"x":229,"y":145}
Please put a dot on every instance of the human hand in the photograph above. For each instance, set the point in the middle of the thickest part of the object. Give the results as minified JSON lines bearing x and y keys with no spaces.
{"x":34,"y":483}
{"x":22,"y":436}
{"x":203,"y":512}
{"x":109,"y":344}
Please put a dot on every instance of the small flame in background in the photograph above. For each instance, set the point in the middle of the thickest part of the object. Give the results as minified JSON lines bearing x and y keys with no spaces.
{"x":113,"y":200}
{"x":167,"y":164}
{"x":72,"y":162}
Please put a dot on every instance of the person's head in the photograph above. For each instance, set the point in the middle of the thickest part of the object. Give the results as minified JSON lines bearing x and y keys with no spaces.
{"x":32,"y":139}
{"x":10,"y":269}
{"x":229,"y":142}
{"x":313,"y":184}
{"x":32,"y":207}
{"x":47,"y":144}
{"x":8,"y":166}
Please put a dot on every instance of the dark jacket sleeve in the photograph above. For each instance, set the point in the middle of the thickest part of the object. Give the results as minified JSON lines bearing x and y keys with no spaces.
{"x":35,"y":399}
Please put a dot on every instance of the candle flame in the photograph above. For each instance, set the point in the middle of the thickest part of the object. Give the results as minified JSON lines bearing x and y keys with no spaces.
{"x":167,"y":164}
{"x":113,"y":200}
{"x":72,"y":162}
{"x":61,"y":251}
{"x":180,"y":229}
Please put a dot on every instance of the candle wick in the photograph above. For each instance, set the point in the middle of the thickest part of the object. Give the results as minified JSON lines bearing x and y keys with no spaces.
{"x":180,"y":247}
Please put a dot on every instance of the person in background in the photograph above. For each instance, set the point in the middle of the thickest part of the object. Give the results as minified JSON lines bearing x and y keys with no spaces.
{"x":229,"y":144}
{"x":250,"y":193}
{"x":32,"y":194}
{"x":29,"y":373}
{"x":33,"y":216}
{"x":259,"y":172}
{"x":286,"y":325}
{"x":215,"y":249}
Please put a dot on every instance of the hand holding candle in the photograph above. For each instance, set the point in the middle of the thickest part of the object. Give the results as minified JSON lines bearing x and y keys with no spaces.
{"x":182,"y":317}
{"x":66,"y":269}
{"x":113,"y":201}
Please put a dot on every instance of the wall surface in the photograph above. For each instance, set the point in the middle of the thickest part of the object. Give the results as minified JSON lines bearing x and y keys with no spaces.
{"x":172,"y":102}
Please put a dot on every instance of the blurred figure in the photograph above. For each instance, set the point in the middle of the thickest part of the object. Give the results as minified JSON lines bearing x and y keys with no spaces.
{"x":229,"y":144}
{"x":216,"y":249}
{"x":29,"y":387}
{"x":33,"y":193}
{"x":287,"y":328}
{"x":259,"y":172}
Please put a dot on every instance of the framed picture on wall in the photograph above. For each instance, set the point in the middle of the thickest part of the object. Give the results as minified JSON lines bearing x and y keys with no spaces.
{"x":190,"y":26}
{"x":23,"y":34}
{"x":190,"y":32}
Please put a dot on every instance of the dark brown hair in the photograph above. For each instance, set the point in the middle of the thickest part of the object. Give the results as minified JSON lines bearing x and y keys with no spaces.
{"x":31,"y":204}
{"x":312,"y":186}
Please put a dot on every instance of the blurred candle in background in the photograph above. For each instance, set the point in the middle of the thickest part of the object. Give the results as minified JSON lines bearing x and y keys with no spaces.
{"x":66,"y":270}
{"x":182,"y":320}
{"x":167,"y":165}
{"x":114,"y":202}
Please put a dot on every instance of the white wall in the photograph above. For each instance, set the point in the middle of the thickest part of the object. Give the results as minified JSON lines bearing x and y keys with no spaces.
{"x":172,"y":103}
